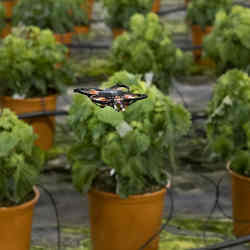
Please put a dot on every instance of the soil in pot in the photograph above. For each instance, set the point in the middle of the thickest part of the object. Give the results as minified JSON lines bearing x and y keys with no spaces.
{"x":240,"y":203}
{"x":16,"y":224}
{"x":44,"y":127}
{"x":125,"y":224}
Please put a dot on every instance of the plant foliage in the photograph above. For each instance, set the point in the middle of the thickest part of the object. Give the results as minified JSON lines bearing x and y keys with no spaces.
{"x":148,"y":47}
{"x":229,"y":42}
{"x":29,"y":59}
{"x":2,"y":17}
{"x":20,"y":160}
{"x":120,"y":11}
{"x":203,"y":12}
{"x":228,"y":126}
{"x":60,"y":16}
{"x":125,"y":153}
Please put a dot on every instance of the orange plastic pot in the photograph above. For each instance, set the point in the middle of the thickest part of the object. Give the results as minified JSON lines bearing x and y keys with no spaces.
{"x":65,"y":38}
{"x":156,"y":6}
{"x":81,"y":30}
{"x":6,"y":30}
{"x":16,"y":223}
{"x":240,"y":203}
{"x":198,"y":35}
{"x":124,"y":224}
{"x":186,"y":2}
{"x":8,"y":6}
{"x":117,"y":32}
{"x":44,"y":127}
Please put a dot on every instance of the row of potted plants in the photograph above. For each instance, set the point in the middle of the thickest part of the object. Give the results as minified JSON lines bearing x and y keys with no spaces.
{"x":66,"y":17}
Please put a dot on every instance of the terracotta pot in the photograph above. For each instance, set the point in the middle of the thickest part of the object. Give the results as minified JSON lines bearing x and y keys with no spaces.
{"x":186,"y":2}
{"x":198,"y":35}
{"x":240,"y":203}
{"x":117,"y":32}
{"x":156,"y":6}
{"x":8,"y":6}
{"x":124,"y":224}
{"x":15,"y":227}
{"x":65,"y":38}
{"x":81,"y":30}
{"x":6,"y":30}
{"x":44,"y":127}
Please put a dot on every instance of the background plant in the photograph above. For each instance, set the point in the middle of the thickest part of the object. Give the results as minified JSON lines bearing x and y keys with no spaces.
{"x":228,"y":43}
{"x":125,"y":153}
{"x":20,"y":160}
{"x":148,"y":47}
{"x":203,"y":12}
{"x":79,"y":12}
{"x":29,"y":60}
{"x":228,"y":126}
{"x":120,"y":11}
{"x":46,"y":14}
{"x":2,"y":16}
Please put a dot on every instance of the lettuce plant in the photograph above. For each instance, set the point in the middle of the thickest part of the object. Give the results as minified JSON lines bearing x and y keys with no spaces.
{"x":228,"y":125}
{"x":20,"y":160}
{"x":148,"y":47}
{"x":203,"y":12}
{"x":29,"y":60}
{"x":125,"y":153}
{"x":2,"y":17}
{"x":120,"y":11}
{"x":228,"y":43}
{"x":60,"y":16}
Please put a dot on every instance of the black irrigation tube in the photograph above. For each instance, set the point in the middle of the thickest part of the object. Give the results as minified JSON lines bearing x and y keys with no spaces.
{"x":43,"y":113}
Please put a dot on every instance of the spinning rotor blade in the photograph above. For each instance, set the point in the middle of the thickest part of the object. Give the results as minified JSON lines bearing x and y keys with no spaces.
{"x":87,"y":92}
{"x":120,"y":87}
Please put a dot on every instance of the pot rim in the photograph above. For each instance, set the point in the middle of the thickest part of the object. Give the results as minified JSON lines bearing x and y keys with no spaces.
{"x":33,"y":99}
{"x":234,"y":174}
{"x":20,"y":208}
{"x":131,"y":198}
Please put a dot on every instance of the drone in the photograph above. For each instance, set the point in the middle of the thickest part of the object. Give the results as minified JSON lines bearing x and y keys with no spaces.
{"x":118,"y":96}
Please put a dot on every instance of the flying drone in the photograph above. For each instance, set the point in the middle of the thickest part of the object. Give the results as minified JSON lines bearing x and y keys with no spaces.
{"x":118,"y":97}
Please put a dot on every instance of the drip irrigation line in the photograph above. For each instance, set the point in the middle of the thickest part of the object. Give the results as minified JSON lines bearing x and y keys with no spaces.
{"x":170,"y":11}
{"x":53,"y":202}
{"x":170,"y":216}
{"x":43,"y":113}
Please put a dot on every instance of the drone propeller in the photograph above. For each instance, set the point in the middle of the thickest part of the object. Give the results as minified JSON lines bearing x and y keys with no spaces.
{"x":87,"y":92}
{"x":118,"y":86}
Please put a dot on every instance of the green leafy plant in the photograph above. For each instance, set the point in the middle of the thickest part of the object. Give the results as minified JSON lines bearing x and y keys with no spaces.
{"x":60,"y":16}
{"x":120,"y":11}
{"x":33,"y":64}
{"x":203,"y":12}
{"x":20,"y":160}
{"x":148,"y":47}
{"x":125,"y":153}
{"x":228,"y":125}
{"x":2,"y":17}
{"x":228,"y":43}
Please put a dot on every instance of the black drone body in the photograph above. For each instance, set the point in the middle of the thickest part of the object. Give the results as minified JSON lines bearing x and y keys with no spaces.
{"x":118,"y":97}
